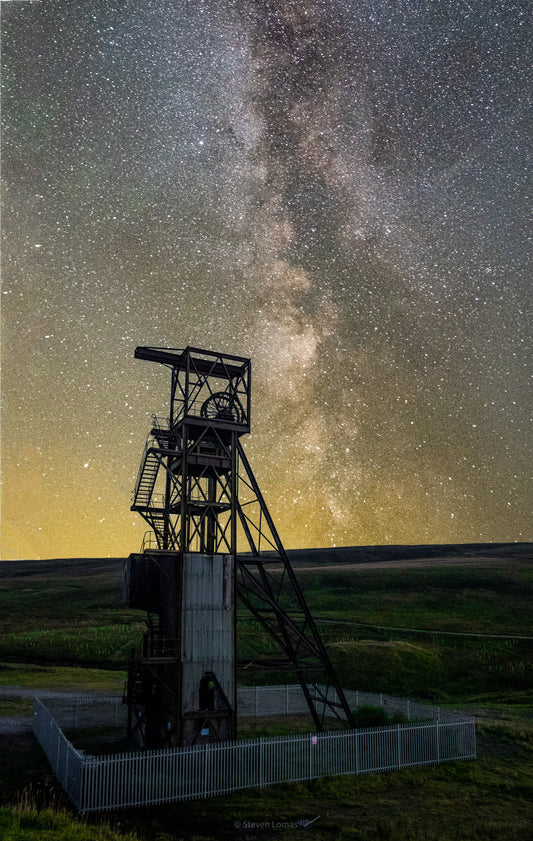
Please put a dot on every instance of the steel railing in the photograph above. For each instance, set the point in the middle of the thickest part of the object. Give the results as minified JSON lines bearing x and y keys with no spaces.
{"x":142,"y":778}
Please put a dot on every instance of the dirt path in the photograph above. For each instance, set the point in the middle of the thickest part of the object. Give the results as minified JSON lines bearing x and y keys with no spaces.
{"x":28,"y":692}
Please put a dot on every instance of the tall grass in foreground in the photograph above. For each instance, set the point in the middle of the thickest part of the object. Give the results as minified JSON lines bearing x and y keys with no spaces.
{"x":25,"y":823}
{"x":27,"y":820}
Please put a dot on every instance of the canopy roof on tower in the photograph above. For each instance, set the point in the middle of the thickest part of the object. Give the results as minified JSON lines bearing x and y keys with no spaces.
{"x":205,"y":361}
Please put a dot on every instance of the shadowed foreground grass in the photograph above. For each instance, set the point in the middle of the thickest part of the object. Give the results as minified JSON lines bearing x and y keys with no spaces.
{"x":26,"y":823}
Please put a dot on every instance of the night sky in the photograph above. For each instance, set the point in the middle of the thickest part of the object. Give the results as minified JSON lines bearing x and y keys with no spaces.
{"x":335,"y":188}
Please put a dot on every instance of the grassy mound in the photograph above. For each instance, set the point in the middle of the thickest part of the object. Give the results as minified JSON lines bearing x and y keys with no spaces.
{"x":396,"y":667}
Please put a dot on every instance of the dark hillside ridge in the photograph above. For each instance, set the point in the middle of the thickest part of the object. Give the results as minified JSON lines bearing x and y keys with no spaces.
{"x":62,"y":568}
{"x":102,"y":567}
{"x":372,"y":554}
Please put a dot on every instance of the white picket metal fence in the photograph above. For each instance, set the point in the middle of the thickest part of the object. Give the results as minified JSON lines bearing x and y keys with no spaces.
{"x":144,"y":778}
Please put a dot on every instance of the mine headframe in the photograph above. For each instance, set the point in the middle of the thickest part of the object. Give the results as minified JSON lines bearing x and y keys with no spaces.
{"x":197,"y":491}
{"x":186,"y":488}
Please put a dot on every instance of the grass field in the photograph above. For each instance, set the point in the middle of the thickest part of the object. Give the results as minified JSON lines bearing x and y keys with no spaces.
{"x":455,"y":635}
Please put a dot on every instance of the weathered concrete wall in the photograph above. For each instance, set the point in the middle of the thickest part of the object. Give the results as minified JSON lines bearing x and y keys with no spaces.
{"x":207,"y":626}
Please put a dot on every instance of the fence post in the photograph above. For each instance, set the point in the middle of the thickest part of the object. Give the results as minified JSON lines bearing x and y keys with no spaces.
{"x":399,"y":747}
{"x":82,"y":797}
{"x":438,"y":740}
{"x":57,"y":751}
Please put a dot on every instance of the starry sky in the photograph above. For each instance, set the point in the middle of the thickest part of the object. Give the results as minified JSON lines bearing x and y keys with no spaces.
{"x":334,"y":188}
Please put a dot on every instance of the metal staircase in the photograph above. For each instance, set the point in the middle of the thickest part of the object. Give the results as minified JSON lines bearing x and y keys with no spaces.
{"x":157,"y":452}
{"x":150,"y":464}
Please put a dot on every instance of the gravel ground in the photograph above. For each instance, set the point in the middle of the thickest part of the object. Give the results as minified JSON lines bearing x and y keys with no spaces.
{"x":12,"y":725}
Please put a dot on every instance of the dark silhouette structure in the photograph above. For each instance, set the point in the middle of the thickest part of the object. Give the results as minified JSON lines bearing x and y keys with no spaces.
{"x":212,"y":542}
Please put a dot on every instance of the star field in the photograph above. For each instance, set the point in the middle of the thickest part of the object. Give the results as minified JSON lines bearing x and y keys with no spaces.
{"x":337,"y":189}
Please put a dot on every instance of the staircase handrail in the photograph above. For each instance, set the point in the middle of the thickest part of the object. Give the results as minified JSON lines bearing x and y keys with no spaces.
{"x":159,"y":422}
{"x":149,"y":541}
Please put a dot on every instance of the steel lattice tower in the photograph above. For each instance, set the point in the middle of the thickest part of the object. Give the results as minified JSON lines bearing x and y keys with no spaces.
{"x":212,"y":543}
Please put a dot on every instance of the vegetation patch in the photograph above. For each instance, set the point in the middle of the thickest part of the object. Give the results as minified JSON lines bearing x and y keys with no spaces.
{"x":62,"y":678}
{"x":109,"y":644}
{"x":464,"y":599}
{"x":12,"y":706}
{"x":26,"y":822}
{"x":368,"y":716}
{"x":396,"y":667}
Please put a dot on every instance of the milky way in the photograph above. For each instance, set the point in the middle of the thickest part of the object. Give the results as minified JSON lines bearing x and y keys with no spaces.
{"x":336,"y":189}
